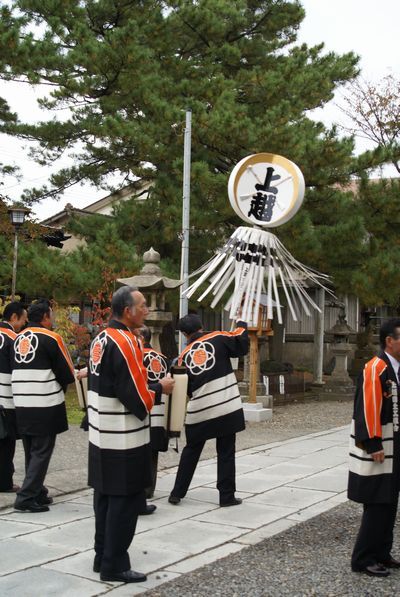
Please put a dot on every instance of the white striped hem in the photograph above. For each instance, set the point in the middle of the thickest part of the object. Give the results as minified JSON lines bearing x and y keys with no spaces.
{"x":39,"y":401}
{"x":123,"y":423}
{"x":32,"y":375}
{"x":119,"y":441}
{"x":370,"y":468}
{"x":112,"y":426}
{"x":7,"y":403}
{"x":5,"y":379}
{"x":216,"y":385}
{"x":159,"y":415}
{"x":106,"y":403}
{"x":214,"y":412}
{"x":35,"y":387}
{"x":213,"y":400}
{"x":361,"y":463}
{"x":6,"y":392}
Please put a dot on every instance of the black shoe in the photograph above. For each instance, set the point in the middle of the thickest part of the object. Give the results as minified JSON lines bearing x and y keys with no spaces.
{"x":174,"y":500}
{"x":390,"y":563}
{"x":149,"y":509}
{"x":233,"y":502}
{"x":31,"y":507}
{"x":96,"y":564}
{"x":12,"y":489}
{"x":126,"y":576}
{"x":374,"y":570}
{"x":44,"y":500}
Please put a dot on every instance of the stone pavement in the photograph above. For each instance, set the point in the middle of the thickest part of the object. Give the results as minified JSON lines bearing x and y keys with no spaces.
{"x":68,"y":466}
{"x":282,"y":483}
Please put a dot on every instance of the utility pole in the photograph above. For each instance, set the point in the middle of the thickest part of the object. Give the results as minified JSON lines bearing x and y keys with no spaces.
{"x":14,"y":270}
{"x":318,"y":356}
{"x":183,"y":303}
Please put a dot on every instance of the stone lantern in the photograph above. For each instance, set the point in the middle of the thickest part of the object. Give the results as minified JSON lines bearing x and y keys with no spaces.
{"x":153,"y":285}
{"x":340,"y":384}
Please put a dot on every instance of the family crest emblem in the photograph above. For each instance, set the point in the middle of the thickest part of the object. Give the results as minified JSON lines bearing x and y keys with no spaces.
{"x":200,"y":357}
{"x":25,"y":347}
{"x":156,"y":366}
{"x":96,"y":352}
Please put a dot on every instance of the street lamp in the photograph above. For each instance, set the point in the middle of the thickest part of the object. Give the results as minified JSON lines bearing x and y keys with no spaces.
{"x":17,"y":218}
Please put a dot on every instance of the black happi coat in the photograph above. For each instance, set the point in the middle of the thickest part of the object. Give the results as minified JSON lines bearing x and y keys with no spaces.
{"x":42,"y":370}
{"x":157,"y":367}
{"x":375,"y":426}
{"x":7,"y":337}
{"x":215,"y":407}
{"x":119,"y":403}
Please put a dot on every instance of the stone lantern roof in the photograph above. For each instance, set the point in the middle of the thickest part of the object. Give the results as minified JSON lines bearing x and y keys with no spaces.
{"x":150,"y":276}
{"x":153,"y":284}
{"x":341,"y":330}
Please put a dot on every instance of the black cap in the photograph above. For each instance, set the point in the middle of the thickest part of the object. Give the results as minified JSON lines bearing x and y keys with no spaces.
{"x":37,"y":310}
{"x":190,"y":324}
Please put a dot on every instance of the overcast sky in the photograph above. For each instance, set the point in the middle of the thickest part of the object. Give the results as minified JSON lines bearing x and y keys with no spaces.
{"x":367,"y":27}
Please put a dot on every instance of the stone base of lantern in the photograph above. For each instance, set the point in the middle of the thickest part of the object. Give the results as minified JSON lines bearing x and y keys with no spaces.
{"x":339,"y":385}
{"x":333,"y":390}
{"x":255,"y":412}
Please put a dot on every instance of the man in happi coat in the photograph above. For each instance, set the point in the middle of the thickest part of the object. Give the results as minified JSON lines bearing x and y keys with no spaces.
{"x":157,"y":368}
{"x":14,"y":319}
{"x":119,"y":403}
{"x":42,"y":370}
{"x":215,"y":408}
{"x":374,"y":477}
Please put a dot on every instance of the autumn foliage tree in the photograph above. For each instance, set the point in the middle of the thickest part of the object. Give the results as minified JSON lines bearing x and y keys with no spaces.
{"x":373,"y":109}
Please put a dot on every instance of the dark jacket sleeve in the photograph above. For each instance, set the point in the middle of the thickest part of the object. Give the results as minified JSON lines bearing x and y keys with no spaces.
{"x":237,"y":342}
{"x":61,"y":366}
{"x":10,"y":354}
{"x":156,"y":387}
{"x":373,"y":445}
{"x":131,"y":387}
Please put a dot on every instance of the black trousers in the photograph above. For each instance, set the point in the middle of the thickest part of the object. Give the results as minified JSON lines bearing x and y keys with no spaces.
{"x":7,"y":451}
{"x":149,"y":491}
{"x":226,"y":471}
{"x":375,"y":537}
{"x":115,"y":519}
{"x":38,"y":451}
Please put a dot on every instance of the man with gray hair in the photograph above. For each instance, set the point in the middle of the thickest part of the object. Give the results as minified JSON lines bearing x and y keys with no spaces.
{"x":119,"y":403}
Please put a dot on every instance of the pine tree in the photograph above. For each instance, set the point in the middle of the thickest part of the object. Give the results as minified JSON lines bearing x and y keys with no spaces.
{"x":125,"y":71}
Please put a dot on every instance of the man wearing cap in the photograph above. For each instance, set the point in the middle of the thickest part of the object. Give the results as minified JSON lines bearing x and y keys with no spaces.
{"x":215,"y":407}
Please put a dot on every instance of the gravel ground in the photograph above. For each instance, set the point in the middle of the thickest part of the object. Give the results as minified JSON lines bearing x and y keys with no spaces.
{"x":310,"y":559}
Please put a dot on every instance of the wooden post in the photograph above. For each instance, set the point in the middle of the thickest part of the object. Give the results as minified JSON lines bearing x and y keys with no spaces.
{"x":253,"y":366}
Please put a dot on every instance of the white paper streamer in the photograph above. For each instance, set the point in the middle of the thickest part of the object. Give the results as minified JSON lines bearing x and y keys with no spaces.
{"x":253,"y":261}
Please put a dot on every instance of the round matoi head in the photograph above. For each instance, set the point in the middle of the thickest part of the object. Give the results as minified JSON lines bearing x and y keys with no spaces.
{"x":266,"y":189}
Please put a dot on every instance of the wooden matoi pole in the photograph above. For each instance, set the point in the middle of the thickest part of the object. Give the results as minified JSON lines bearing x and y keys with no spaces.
{"x":253,"y":366}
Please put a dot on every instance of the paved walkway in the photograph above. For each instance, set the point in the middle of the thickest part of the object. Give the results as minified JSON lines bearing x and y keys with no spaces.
{"x":282,"y":484}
